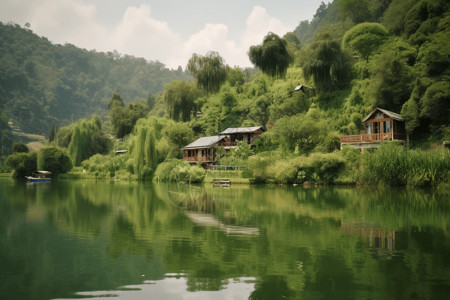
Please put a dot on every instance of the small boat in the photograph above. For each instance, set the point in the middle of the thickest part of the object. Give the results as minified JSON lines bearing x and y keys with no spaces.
{"x":39,"y":176}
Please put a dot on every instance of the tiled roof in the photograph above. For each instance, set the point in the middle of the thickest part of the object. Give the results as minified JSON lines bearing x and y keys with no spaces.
{"x":204,"y":142}
{"x":391,"y":114}
{"x":240,"y":130}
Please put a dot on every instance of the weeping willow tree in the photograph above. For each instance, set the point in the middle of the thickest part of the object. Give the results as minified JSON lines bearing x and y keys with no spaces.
{"x":326,"y":63}
{"x":180,"y":97}
{"x":272,"y":57}
{"x":87,"y":139}
{"x":209,"y":71}
{"x":144,"y":148}
{"x":155,"y":140}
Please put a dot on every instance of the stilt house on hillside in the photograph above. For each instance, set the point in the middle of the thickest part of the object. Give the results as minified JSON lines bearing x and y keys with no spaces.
{"x":203,"y":150}
{"x":379,"y":126}
{"x":242,"y":134}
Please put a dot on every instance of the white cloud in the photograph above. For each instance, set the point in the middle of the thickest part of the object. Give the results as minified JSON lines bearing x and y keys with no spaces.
{"x":61,"y":21}
{"x":214,"y":37}
{"x":140,"y":35}
{"x":258,"y":24}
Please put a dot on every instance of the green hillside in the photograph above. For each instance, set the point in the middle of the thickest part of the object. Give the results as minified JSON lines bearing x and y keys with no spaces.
{"x":354,"y":56}
{"x":42,"y":82}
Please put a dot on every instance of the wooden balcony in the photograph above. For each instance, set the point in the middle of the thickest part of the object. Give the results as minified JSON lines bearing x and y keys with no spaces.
{"x":372,"y":138}
{"x":229,"y":144}
{"x":208,"y":158}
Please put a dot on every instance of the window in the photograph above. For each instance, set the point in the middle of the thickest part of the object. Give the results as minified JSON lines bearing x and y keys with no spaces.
{"x":368,"y":128}
{"x":387,"y":126}
{"x":376,"y":127}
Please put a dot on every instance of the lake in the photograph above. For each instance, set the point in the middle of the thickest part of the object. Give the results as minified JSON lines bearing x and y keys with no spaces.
{"x":74,"y":239}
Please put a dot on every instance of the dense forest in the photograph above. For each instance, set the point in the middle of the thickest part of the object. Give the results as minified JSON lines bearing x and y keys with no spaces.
{"x":353,"y":56}
{"x":43,"y":83}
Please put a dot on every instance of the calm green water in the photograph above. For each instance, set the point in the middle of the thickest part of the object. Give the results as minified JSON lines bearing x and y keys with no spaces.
{"x":156,"y":241}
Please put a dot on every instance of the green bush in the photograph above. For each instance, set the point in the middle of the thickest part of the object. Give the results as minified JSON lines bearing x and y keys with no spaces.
{"x":175,"y":170}
{"x":323,"y":168}
{"x":22,"y":163}
{"x":54,"y":159}
{"x":391,"y":164}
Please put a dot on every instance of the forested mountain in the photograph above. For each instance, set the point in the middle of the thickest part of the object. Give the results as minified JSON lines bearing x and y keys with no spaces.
{"x":42,"y":82}
{"x":313,"y":85}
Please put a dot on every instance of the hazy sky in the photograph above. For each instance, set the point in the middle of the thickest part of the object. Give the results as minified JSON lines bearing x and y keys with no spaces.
{"x":169,"y":31}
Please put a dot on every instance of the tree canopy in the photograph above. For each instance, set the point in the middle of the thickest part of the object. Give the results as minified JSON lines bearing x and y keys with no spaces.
{"x":209,"y":71}
{"x":272,"y":57}
{"x":365,"y":38}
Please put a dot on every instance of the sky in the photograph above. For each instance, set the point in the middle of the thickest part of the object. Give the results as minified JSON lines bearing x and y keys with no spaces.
{"x":168,"y":31}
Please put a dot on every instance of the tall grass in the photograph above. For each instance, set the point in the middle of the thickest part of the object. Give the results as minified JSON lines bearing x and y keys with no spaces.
{"x":392,"y":165}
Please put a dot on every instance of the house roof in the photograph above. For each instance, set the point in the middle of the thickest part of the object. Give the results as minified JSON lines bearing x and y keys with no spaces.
{"x":391,"y":114}
{"x":204,"y":142}
{"x":240,"y":130}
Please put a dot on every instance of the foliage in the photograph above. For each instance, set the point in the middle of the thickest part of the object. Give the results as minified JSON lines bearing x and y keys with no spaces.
{"x":365,"y":38}
{"x":52,"y":134}
{"x":435,"y":104}
{"x":392,"y":75}
{"x":42,"y":83}
{"x":54,"y":159}
{"x":87,"y":139}
{"x":237,"y":156}
{"x":22,"y":163}
{"x":326,"y":63}
{"x":123,"y":118}
{"x":302,"y":132}
{"x":175,"y":170}
{"x":357,"y":10}
{"x":391,"y":164}
{"x":209,"y":71}
{"x":20,"y":148}
{"x":102,"y":166}
{"x":321,"y":168}
{"x":6,"y":140}
{"x":272,"y":57}
{"x":180,"y":97}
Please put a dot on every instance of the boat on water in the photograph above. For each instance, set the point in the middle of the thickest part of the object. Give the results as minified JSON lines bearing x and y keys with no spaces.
{"x":39,"y":176}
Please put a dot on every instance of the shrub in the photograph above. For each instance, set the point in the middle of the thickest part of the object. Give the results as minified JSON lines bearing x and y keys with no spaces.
{"x":391,"y":164}
{"x":54,"y":159}
{"x":22,"y":163}
{"x":20,"y":148}
{"x":175,"y":170}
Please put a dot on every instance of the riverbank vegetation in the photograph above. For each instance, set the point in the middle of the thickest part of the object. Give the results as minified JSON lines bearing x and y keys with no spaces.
{"x":388,"y":54}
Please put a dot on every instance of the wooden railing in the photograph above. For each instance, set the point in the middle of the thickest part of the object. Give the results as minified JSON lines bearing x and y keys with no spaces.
{"x":372,"y":138}
{"x":199,"y":158}
{"x":229,"y":144}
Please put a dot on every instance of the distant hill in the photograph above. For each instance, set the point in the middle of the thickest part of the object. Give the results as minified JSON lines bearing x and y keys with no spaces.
{"x":42,"y":82}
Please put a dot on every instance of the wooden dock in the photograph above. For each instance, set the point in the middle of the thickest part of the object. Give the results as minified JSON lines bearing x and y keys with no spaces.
{"x":221,"y":182}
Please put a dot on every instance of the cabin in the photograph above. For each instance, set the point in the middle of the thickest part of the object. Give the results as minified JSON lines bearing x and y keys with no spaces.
{"x":379,"y":126}
{"x":203,"y":149}
{"x":242,"y":134}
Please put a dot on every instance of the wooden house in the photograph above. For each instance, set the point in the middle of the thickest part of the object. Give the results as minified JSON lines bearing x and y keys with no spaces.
{"x":242,"y":134}
{"x":379,"y":126}
{"x":203,"y":149}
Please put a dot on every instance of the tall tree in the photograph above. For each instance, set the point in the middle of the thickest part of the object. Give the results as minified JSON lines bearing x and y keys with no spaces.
{"x":180,"y":97}
{"x":365,"y":38}
{"x":357,"y":10}
{"x":209,"y":71}
{"x":272,"y":57}
{"x":52,"y":134}
{"x":327,"y":64}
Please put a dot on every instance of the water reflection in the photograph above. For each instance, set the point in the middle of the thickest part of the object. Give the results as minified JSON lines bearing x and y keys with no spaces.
{"x":173,"y":287}
{"x":239,"y":243}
